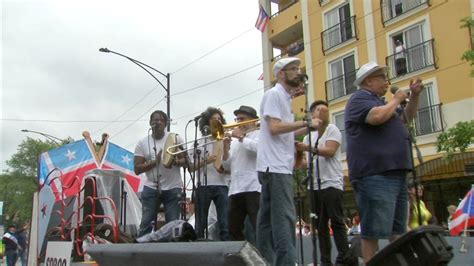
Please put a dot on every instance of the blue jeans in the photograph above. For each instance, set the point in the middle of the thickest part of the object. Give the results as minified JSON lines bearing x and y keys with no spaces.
{"x":218,"y":194}
{"x":151,"y":202}
{"x":276,"y":219}
{"x":12,"y":256}
{"x":383,"y":205}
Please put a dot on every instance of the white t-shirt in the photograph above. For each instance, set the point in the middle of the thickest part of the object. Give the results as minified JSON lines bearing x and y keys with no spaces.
{"x":169,"y":177}
{"x":214,"y":178}
{"x":276,"y":152}
{"x":330,"y":168}
{"x":242,"y":162}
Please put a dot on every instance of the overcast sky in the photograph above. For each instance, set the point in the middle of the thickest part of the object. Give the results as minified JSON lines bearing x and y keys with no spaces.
{"x":55,"y":81}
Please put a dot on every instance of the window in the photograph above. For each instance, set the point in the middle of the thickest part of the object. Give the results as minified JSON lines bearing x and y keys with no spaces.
{"x":338,"y":119}
{"x":339,"y":27}
{"x":395,"y":8}
{"x":342,"y":75}
{"x":428,"y":118}
{"x":411,"y":51}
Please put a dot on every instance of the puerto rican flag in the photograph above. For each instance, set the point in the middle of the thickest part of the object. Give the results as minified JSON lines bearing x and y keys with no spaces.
{"x":262,"y":20}
{"x":463,"y":218}
{"x":121,"y":159}
{"x":65,"y":167}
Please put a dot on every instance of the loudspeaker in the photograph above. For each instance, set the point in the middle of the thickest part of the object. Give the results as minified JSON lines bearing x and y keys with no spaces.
{"x":424,"y":245}
{"x":234,"y":253}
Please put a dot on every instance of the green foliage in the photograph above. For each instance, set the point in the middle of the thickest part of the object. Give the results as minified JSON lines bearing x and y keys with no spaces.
{"x":17,"y":193}
{"x":468,"y":55}
{"x":457,"y":138}
{"x":25,"y":161}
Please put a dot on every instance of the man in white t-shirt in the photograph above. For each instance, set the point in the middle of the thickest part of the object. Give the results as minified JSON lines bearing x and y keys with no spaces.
{"x":328,"y":197}
{"x":276,"y":218}
{"x":162,"y":185}
{"x":244,"y":191}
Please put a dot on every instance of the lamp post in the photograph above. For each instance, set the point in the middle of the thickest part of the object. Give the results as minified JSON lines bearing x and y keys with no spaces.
{"x":142,"y":66}
{"x":50,"y":137}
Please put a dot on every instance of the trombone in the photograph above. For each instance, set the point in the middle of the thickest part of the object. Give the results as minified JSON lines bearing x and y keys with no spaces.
{"x":217,"y":132}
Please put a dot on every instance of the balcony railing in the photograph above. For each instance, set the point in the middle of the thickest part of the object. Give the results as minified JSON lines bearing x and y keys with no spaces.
{"x":340,"y":86}
{"x":293,"y":50}
{"x":395,"y":8}
{"x":429,"y":120}
{"x":339,"y":33}
{"x":412,"y":59}
{"x":284,"y":8}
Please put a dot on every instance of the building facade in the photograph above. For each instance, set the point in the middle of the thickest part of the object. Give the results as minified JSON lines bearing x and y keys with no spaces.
{"x":415,"y":38}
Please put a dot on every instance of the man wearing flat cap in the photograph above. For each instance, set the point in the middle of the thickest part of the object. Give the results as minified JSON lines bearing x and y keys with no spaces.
{"x":275,"y":159}
{"x":378,"y":154}
{"x":244,"y":190}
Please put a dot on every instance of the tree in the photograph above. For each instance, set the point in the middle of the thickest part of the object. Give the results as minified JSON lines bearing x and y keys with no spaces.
{"x":25,"y":161}
{"x":19,"y":182}
{"x":468,"y":55}
{"x":457,"y":138}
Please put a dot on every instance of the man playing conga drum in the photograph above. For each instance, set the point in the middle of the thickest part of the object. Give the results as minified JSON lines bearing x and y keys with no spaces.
{"x":163,"y":184}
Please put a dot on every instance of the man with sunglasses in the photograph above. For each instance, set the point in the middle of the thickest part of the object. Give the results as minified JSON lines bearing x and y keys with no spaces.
{"x":378,"y":154}
{"x":244,"y":190}
{"x":275,"y":159}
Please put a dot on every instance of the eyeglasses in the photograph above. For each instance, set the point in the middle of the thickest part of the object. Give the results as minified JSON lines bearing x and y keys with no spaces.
{"x":383,"y":76}
{"x":295,"y":68}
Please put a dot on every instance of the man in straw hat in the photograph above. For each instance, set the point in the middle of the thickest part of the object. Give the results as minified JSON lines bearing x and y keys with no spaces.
{"x":378,"y":154}
{"x":275,"y":158}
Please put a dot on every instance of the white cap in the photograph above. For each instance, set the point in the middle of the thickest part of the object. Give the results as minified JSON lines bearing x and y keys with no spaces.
{"x":365,"y":71}
{"x":282,"y":63}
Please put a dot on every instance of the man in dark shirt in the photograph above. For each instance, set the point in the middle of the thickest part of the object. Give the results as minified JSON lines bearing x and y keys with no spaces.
{"x":378,"y":154}
{"x":11,"y":245}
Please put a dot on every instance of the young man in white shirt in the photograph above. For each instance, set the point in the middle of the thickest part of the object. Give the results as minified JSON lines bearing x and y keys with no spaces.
{"x":244,"y":191}
{"x":162,"y":185}
{"x":275,"y":159}
{"x":329,"y":197}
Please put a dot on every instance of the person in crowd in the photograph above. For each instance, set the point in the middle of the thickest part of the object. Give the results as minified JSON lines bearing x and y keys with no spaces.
{"x":413,"y":218}
{"x":11,"y":245}
{"x":378,"y":154}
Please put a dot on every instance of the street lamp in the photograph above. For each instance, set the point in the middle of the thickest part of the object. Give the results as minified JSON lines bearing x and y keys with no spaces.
{"x":50,"y":137}
{"x":142,"y":66}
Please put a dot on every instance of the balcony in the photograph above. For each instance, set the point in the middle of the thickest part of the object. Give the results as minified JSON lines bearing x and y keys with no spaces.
{"x":338,"y":34}
{"x":428,"y":120}
{"x":340,"y":86}
{"x":286,"y":25}
{"x":413,"y":59}
{"x":293,"y":50}
{"x":392,"y":9}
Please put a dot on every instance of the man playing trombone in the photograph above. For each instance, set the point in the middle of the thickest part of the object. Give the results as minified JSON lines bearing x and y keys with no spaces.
{"x":162,"y":185}
{"x":213,"y":183}
{"x":244,"y":191}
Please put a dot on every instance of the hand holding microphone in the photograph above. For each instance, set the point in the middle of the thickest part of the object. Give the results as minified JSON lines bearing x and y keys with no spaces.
{"x":400,"y":95}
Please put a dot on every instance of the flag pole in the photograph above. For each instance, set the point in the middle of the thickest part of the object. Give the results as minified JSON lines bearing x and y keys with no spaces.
{"x":463,"y":248}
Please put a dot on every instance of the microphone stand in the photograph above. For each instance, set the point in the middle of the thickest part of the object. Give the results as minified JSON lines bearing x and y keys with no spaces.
{"x":157,"y":180}
{"x":300,"y":214}
{"x":412,"y":143}
{"x":205,"y":156}
{"x":197,"y":167}
{"x":310,"y":179}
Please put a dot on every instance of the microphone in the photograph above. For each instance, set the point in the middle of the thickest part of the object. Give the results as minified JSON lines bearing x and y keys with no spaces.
{"x":394,"y":90}
{"x":206,"y":129}
{"x":197,"y":118}
{"x":303,"y":78}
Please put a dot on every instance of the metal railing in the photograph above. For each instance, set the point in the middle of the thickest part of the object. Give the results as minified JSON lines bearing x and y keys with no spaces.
{"x":298,"y":48}
{"x":428,"y":120}
{"x":412,"y":59}
{"x":339,"y":33}
{"x":394,"y":8}
{"x":283,"y":8}
{"x":340,"y":86}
